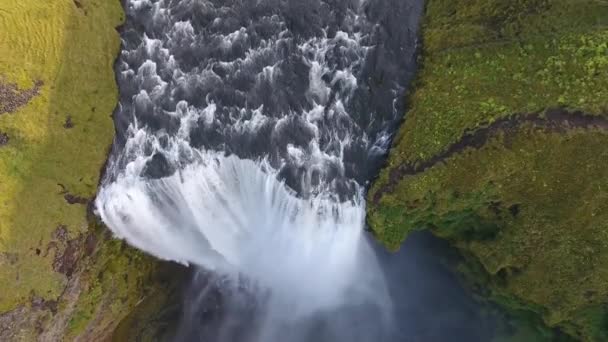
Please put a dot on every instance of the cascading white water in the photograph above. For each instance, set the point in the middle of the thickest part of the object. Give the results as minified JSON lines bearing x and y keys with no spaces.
{"x":233,"y":216}
{"x":247,"y":130}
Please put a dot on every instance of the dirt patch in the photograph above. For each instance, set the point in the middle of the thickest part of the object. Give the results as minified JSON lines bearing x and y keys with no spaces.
{"x":40,"y":303}
{"x":68,"y":122}
{"x":90,"y":243}
{"x":3,"y":139}
{"x":7,"y":258}
{"x":60,"y":237}
{"x":553,"y":120}
{"x":11,"y":97}
{"x":68,"y":253}
{"x":66,"y":262}
{"x":60,"y":233}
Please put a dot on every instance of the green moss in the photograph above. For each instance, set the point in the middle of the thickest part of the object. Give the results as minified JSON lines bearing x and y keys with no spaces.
{"x":537,"y":54}
{"x":529,"y":208}
{"x":70,"y":46}
{"x":108,"y":292}
{"x":549,"y":253}
{"x":157,"y":317}
{"x":72,"y":51}
{"x":592,"y":322}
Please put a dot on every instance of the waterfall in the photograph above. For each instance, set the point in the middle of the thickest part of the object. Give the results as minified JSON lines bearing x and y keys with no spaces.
{"x":247,"y":133}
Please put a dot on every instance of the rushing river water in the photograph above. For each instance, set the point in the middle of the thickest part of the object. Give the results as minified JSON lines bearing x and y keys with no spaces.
{"x":247,"y":133}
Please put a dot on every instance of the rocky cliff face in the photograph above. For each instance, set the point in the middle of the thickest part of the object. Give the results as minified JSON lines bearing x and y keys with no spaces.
{"x":503,"y":153}
{"x":62,"y":276}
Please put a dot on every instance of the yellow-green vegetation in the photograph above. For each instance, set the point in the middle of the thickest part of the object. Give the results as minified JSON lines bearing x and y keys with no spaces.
{"x":114,"y":281}
{"x":528,"y":208}
{"x":72,"y":54}
{"x":483,"y":60}
{"x":50,"y":260}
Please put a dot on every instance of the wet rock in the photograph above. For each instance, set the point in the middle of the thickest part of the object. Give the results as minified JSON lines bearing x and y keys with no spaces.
{"x":158,"y":167}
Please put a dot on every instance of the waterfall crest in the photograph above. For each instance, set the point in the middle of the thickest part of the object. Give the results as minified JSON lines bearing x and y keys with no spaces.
{"x":247,"y":132}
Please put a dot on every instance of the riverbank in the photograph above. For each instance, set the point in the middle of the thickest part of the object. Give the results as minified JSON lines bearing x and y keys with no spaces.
{"x":521,"y":195}
{"x":62,"y":275}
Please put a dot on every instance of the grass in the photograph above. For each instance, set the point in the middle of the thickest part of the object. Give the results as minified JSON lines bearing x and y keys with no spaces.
{"x":548,"y":254}
{"x":114,"y":281}
{"x":72,"y":51}
{"x":480,"y":65}
{"x":70,"y":46}
{"x":529,"y":207}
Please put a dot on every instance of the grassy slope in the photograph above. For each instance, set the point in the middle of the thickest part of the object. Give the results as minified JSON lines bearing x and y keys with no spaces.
{"x":529,"y":210}
{"x":70,"y":46}
{"x":72,"y":54}
{"x":490,"y":59}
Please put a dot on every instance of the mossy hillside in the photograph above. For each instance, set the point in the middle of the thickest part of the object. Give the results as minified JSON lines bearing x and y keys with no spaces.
{"x":529,"y":206}
{"x":68,"y":277}
{"x":483,"y":60}
{"x":71,"y":50}
{"x":115,"y":281}
{"x":548,"y":254}
{"x":158,"y":316}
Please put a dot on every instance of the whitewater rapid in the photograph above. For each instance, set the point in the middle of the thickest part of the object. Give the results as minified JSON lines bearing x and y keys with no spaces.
{"x":233,"y":216}
{"x":246,"y":134}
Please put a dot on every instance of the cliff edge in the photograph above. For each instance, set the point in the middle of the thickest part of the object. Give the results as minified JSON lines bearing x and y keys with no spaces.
{"x":62,"y":277}
{"x":503,"y":153}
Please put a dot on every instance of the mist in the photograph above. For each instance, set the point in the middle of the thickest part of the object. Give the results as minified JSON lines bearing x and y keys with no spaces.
{"x":302,"y":266}
{"x":247,"y":133}
{"x":271,"y":266}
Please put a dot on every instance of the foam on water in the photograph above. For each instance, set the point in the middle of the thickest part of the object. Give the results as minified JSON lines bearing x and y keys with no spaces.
{"x":246,"y":133}
{"x":233,"y":216}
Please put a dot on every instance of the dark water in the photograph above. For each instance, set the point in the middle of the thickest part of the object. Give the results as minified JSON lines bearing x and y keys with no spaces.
{"x":314,"y":89}
{"x":430,"y":305}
